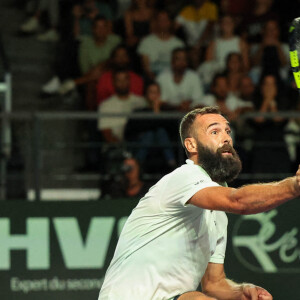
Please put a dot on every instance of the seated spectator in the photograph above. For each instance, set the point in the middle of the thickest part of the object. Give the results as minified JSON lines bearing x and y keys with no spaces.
{"x":119,"y":59}
{"x":227,"y":42}
{"x":198,"y":20}
{"x":97,"y":49}
{"x":270,"y":152}
{"x":138,"y":21}
{"x":103,"y":79}
{"x":219,"y":49}
{"x":271,"y":56}
{"x":151,"y":131}
{"x":85,"y":13}
{"x":252,"y":25}
{"x":122,"y":102}
{"x":234,"y":72}
{"x":181,"y":87}
{"x":247,"y":89}
{"x":230,"y":105}
{"x":32,"y":25}
{"x":156,"y":49}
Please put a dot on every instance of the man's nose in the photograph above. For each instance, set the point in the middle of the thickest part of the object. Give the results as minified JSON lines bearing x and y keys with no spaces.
{"x":227,"y":139}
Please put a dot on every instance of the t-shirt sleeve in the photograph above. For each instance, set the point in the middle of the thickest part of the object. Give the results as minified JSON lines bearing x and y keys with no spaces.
{"x":143,"y":48}
{"x":181,"y":186}
{"x":219,"y":255}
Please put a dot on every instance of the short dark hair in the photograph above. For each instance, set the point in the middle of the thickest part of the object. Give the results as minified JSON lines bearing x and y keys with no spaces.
{"x":186,"y":124}
{"x":216,"y":78}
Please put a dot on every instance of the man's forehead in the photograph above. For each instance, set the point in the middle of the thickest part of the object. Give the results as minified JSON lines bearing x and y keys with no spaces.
{"x":208,"y":120}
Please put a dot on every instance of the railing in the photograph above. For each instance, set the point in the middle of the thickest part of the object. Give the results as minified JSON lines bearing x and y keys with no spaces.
{"x":5,"y":104}
{"x":37,"y":146}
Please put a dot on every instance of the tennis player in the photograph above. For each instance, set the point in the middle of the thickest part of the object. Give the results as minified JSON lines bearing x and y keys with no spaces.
{"x":176,"y":236}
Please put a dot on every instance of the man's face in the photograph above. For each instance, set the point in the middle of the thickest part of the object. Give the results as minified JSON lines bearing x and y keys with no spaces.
{"x":121,"y":83}
{"x":234,"y":63}
{"x":247,"y":87}
{"x":227,"y":24}
{"x":221,"y":88}
{"x":179,"y":61}
{"x":121,"y":58}
{"x":272,"y":30}
{"x":100,"y":30}
{"x":215,"y":148}
{"x":163,"y":22}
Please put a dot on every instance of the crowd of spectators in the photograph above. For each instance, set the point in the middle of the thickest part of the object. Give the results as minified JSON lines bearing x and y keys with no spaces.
{"x":172,"y":56}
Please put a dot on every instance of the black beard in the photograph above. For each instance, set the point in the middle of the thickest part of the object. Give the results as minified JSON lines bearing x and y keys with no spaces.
{"x":219,"y":168}
{"x":122,"y":92}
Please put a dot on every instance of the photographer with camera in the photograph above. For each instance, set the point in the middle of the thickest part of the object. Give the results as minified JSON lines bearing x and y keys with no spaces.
{"x":123,"y":178}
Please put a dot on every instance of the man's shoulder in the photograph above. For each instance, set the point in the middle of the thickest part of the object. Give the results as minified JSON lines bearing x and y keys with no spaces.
{"x":86,"y":40}
{"x":109,"y":102}
{"x":191,"y":74}
{"x":164,"y":75}
{"x":176,"y":41}
{"x":114,"y":38}
{"x":135,"y":97}
{"x":189,"y":169}
{"x":148,"y":39}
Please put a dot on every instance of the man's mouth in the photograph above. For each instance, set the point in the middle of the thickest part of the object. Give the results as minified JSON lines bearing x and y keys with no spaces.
{"x":227,"y":153}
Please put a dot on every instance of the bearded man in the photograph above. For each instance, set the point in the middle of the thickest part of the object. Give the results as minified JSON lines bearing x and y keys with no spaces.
{"x":176,"y":236}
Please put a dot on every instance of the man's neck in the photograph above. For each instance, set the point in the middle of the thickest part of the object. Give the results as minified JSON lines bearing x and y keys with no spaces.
{"x":100,"y":42}
{"x":178,"y":76}
{"x":164,"y":35}
{"x":123,"y":97}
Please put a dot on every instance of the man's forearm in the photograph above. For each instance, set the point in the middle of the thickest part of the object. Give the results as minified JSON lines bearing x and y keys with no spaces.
{"x":257,"y":198}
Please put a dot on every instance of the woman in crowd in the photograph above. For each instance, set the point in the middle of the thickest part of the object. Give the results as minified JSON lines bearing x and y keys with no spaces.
{"x":269,"y":132}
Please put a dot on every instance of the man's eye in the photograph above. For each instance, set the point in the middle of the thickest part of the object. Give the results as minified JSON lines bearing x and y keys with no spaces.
{"x":214,"y":132}
{"x":229,"y":132}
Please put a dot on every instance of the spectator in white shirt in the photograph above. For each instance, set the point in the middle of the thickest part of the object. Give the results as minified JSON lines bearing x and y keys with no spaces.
{"x":156,"y":49}
{"x":180,"y":87}
{"x":112,"y":128}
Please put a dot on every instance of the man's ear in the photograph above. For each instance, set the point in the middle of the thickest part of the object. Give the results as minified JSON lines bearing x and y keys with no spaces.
{"x":190,"y":145}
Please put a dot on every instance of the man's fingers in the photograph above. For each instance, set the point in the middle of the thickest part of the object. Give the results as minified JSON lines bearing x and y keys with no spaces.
{"x":265,"y":297}
{"x":251,"y":292}
{"x":264,"y":294}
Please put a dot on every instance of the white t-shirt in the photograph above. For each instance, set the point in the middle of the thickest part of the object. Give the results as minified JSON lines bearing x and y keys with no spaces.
{"x":232,"y":102}
{"x":166,"y":244}
{"x":116,"y":105}
{"x":159,"y":51}
{"x":224,"y":47}
{"x":190,"y":88}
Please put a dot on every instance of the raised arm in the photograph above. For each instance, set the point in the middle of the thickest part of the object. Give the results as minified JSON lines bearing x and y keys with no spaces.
{"x":215,"y":284}
{"x":249,"y":199}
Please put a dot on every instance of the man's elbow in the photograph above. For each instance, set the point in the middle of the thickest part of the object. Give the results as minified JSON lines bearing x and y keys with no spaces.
{"x":239,"y":207}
